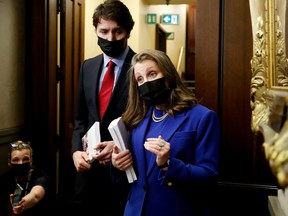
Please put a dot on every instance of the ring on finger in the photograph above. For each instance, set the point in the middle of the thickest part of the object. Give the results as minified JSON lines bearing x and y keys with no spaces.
{"x":161,"y":143}
{"x":159,"y":148}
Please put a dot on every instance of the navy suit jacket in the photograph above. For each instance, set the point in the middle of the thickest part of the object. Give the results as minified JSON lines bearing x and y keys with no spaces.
{"x":88,"y":105}
{"x":194,"y":136}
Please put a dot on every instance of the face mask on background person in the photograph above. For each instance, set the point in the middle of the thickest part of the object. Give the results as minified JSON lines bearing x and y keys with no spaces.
{"x":21,"y":170}
{"x":155,"y":92}
{"x":111,"y":48}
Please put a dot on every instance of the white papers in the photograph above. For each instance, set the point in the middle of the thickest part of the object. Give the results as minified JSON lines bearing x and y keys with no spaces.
{"x":121,"y":138}
{"x":91,"y":139}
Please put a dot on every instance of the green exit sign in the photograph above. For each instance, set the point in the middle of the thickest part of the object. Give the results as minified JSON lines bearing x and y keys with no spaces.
{"x":151,"y":18}
{"x":170,"y":19}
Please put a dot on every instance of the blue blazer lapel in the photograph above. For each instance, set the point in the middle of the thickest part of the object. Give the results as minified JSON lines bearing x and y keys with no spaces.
{"x":172,"y":124}
{"x":139,"y":135}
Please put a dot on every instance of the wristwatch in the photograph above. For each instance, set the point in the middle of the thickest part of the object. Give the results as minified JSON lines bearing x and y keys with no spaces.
{"x":166,"y":164}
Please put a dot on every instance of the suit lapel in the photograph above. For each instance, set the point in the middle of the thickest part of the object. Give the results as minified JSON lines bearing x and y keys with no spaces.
{"x":140,"y":138}
{"x":169,"y":128}
{"x":95,"y":76}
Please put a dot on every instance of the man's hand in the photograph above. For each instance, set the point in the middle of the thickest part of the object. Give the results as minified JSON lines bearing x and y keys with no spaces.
{"x":81,"y":161}
{"x":104,"y":157}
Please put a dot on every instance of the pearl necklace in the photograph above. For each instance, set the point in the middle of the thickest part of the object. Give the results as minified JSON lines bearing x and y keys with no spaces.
{"x":158,"y":119}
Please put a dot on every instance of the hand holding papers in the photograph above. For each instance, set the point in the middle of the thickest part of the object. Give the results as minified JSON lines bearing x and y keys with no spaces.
{"x":121,"y":138}
{"x":90,"y":140}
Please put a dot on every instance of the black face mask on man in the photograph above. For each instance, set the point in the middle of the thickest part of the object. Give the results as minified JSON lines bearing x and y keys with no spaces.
{"x":111,"y":48}
{"x":21,"y":170}
{"x":155,"y":92}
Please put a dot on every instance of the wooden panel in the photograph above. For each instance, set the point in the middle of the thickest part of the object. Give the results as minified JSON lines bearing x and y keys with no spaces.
{"x":237,"y":53}
{"x":52,"y":138}
{"x":190,"y":51}
{"x":72,"y":46}
{"x":222,"y":83}
{"x":67,"y":74}
{"x":160,"y":38}
{"x":207,"y":53}
{"x":238,"y":199}
{"x":40,"y":117}
{"x":239,"y":146}
{"x":72,"y":55}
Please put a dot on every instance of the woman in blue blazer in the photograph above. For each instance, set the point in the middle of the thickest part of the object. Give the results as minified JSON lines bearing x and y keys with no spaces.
{"x":174,"y":144}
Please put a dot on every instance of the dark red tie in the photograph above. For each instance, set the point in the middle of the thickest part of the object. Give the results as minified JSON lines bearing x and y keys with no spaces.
{"x":106,"y":89}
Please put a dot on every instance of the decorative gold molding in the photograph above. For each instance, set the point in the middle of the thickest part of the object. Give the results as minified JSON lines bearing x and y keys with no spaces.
{"x":269,"y":64}
{"x":281,"y":63}
{"x":276,"y":139}
{"x":259,"y":65}
{"x":269,"y":83}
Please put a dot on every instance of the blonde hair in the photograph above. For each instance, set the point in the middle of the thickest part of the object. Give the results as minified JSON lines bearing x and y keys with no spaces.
{"x":19,"y":145}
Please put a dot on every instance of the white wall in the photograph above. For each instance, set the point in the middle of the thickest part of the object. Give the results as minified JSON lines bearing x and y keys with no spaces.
{"x":173,"y":46}
{"x":143,"y":35}
{"x":12,"y":73}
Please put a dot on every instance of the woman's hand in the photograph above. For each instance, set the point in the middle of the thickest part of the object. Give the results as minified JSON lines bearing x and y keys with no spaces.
{"x":30,"y":200}
{"x":122,"y":160}
{"x":159,"y":147}
{"x":17,"y":209}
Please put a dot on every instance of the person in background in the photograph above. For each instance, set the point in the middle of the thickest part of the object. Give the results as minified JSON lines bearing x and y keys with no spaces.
{"x":174,"y":144}
{"x":33,"y":184}
{"x":94,"y":188}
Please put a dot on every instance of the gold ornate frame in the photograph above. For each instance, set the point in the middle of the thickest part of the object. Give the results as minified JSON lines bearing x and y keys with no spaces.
{"x":269,"y":83}
{"x":269,"y":65}
{"x":278,"y":64}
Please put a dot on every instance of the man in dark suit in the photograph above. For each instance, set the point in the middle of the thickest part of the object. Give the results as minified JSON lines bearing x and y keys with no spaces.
{"x":94,"y":191}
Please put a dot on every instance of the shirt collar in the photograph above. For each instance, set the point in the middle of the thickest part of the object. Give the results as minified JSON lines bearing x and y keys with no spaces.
{"x":118,"y":60}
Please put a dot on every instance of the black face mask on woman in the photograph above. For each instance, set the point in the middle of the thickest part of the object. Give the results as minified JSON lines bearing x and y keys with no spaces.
{"x":111,"y":48}
{"x":21,"y":170}
{"x":155,"y":92}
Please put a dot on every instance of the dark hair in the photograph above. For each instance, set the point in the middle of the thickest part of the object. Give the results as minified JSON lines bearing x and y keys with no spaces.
{"x":116,"y":11}
{"x":181,"y":96}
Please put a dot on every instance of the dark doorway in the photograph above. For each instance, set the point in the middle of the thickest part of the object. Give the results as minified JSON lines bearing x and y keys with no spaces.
{"x":160,"y":38}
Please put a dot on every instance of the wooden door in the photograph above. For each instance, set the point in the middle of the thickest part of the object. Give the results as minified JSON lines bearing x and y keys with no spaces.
{"x":222,"y":83}
{"x":71,"y":57}
{"x":160,"y":36}
{"x":190,"y":43}
{"x":41,"y":81}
